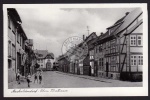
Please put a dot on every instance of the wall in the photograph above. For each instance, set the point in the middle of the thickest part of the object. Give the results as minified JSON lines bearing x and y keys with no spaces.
{"x":11,"y":38}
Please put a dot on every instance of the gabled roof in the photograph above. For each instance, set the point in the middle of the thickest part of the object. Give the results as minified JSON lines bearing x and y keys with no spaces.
{"x":129,"y":19}
{"x":124,"y":23}
{"x":41,"y":54}
{"x":90,"y":36}
{"x":51,"y":55}
{"x":117,"y":23}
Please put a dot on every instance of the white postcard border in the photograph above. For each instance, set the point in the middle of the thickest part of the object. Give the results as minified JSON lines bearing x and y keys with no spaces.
{"x":97,"y":91}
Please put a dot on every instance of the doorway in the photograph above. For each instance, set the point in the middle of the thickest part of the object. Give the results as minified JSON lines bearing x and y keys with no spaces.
{"x":107,"y":69}
{"x":19,"y":63}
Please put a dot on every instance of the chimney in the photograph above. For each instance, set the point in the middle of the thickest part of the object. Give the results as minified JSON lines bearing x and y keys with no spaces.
{"x":94,"y":32}
{"x":101,"y":33}
{"x":127,"y":13}
{"x":83,"y":37}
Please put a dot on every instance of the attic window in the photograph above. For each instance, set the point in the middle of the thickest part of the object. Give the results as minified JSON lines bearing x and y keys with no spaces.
{"x":40,"y":55}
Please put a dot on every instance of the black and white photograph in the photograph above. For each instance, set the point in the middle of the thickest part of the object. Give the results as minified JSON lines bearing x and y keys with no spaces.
{"x":75,"y":50}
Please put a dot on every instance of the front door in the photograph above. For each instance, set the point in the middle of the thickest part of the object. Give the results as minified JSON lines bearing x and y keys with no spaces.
{"x":107,"y":68}
{"x":48,"y":66}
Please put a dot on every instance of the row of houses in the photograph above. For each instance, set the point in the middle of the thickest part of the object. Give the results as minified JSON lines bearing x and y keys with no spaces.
{"x":116,"y":54}
{"x":21,"y":56}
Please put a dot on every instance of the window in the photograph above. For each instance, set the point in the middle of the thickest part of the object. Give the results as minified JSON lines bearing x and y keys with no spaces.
{"x":133,"y":40}
{"x":139,"y":40}
{"x":18,"y":38}
{"x":40,"y":55}
{"x":13,"y":51}
{"x":91,"y":57}
{"x":9,"y":63}
{"x":140,"y":62}
{"x":100,"y":48}
{"x":9,"y":48}
{"x":101,"y":63}
{"x":113,"y":61}
{"x":136,"y":60}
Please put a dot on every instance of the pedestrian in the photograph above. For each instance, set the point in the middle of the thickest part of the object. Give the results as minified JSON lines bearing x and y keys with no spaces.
{"x":18,"y":78}
{"x":40,"y":77}
{"x":35,"y":77}
{"x":29,"y":79}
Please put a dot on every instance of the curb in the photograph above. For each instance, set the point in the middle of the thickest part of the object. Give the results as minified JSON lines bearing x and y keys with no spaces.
{"x":82,"y":77}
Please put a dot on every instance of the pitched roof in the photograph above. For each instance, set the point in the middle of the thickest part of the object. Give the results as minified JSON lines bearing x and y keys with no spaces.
{"x":41,"y":54}
{"x":125,"y":22}
{"x":90,"y":36}
{"x":117,"y":23}
{"x":129,"y":19}
{"x":51,"y":55}
{"x":13,"y":12}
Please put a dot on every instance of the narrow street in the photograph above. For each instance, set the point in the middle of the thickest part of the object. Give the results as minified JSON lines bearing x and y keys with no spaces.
{"x":55,"y":79}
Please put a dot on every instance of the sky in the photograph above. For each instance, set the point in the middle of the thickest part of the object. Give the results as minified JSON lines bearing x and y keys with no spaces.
{"x":49,"y":28}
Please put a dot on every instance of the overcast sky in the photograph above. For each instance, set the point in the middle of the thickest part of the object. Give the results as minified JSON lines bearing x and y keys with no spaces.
{"x":49,"y":28}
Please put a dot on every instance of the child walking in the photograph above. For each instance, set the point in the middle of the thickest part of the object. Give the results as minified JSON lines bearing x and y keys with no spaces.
{"x":40,"y":77}
{"x":18,"y":78}
{"x":35,"y":77}
{"x":29,"y":79}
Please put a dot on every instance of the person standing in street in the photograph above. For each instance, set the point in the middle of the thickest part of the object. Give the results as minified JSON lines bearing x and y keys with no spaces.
{"x":35,"y":77}
{"x":29,"y":79}
{"x":40,"y":77}
{"x":18,"y":78}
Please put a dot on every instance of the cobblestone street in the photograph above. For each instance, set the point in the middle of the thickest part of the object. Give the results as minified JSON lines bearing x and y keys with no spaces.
{"x":55,"y":79}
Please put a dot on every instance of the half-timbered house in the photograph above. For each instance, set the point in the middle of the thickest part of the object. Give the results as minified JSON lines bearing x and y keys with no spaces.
{"x":120,"y":48}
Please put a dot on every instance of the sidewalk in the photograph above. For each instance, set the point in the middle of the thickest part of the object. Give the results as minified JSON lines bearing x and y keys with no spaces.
{"x":24,"y":84}
{"x":117,"y":83}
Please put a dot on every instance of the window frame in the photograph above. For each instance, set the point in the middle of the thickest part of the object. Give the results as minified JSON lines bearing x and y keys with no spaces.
{"x":140,"y":40}
{"x":13,"y":51}
{"x":9,"y":48}
{"x":133,"y":38}
{"x":134,"y":58}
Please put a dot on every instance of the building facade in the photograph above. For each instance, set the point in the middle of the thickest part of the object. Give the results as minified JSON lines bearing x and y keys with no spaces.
{"x":44,"y":59}
{"x":16,"y":43}
{"x":120,"y":49}
{"x":17,"y":47}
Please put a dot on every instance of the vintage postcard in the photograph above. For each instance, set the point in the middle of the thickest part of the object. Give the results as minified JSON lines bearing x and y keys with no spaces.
{"x":75,"y":50}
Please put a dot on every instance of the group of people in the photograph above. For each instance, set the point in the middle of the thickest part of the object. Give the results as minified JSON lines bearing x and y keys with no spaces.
{"x":37,"y":77}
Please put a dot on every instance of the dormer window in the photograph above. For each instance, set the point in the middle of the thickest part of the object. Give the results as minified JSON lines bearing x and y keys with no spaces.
{"x":40,"y":55}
